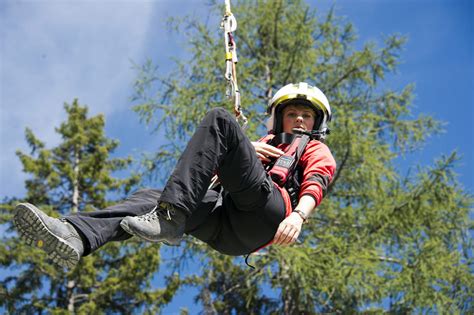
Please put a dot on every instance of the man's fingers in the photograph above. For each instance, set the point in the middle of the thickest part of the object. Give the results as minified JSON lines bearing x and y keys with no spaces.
{"x":277,"y":236}
{"x":268,"y":150}
{"x":272,"y":150}
{"x":284,"y":236}
{"x":262,"y":157}
{"x":287,"y":233}
{"x":280,"y":234}
{"x":292,"y":237}
{"x":289,"y":236}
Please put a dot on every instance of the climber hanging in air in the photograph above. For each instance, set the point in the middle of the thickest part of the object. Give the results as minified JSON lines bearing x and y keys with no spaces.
{"x":266,"y":189}
{"x":252,"y":207}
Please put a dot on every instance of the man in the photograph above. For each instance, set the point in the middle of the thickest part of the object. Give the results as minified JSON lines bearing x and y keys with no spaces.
{"x":253,"y":205}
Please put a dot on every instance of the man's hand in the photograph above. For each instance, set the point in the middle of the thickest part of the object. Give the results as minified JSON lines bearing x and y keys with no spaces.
{"x":265,"y":151}
{"x":288,"y":230}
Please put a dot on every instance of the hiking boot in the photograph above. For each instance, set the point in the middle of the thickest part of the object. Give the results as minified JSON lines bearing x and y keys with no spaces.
{"x":58,"y":238}
{"x":162,"y":224}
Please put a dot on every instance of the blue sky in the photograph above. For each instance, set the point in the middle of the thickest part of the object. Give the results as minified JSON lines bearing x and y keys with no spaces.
{"x":55,"y":51}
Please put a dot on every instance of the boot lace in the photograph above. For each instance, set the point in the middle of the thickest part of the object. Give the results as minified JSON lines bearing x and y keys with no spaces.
{"x":163,"y":211}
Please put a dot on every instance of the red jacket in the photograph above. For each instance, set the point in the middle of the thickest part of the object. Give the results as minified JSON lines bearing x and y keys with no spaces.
{"x":318,"y":167}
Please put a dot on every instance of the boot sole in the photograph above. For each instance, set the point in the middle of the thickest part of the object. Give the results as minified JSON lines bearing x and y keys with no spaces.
{"x":35,"y":233}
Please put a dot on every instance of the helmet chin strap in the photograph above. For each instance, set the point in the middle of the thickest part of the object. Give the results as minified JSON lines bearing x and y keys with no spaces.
{"x":313,"y":134}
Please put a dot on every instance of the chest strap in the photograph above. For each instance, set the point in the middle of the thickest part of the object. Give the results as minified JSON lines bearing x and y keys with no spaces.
{"x":285,"y":166}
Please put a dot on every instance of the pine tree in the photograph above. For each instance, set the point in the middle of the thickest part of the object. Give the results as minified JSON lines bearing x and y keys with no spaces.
{"x":381,"y":240}
{"x":76,"y":176}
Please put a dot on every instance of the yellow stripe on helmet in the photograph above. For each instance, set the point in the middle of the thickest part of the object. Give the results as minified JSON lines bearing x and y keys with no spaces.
{"x":317,"y":103}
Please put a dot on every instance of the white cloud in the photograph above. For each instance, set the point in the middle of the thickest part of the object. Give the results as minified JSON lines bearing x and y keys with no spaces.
{"x":55,"y":51}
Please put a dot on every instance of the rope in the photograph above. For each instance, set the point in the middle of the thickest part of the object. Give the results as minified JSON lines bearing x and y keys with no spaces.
{"x":229,"y":24}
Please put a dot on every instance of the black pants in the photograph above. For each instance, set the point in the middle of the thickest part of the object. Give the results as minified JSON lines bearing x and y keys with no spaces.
{"x":235,"y":221}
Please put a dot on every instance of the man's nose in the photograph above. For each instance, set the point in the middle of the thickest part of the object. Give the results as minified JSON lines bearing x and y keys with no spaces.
{"x":299,"y":118}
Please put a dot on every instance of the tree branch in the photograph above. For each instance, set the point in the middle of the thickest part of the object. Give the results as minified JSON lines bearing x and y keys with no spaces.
{"x":295,"y":49}
{"x":339,"y":170}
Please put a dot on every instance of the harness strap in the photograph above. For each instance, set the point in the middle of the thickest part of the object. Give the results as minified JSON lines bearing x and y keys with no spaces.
{"x":285,"y":165}
{"x":282,"y":138}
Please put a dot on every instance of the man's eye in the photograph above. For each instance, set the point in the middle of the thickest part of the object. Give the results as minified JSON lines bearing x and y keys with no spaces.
{"x":307,"y":116}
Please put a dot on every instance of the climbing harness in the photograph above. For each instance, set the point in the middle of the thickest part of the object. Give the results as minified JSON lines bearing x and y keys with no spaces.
{"x":286,"y":164}
{"x":229,"y":24}
{"x":283,"y":170}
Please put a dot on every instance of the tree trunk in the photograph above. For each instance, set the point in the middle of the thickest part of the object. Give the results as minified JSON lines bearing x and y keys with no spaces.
{"x":75,"y":184}
{"x":70,"y":296}
{"x":268,"y":79}
{"x":71,"y":284}
{"x":290,"y":298}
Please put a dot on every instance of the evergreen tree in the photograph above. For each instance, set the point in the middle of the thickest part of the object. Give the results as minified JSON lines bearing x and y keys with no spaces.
{"x":381,"y":240}
{"x":76,"y":176}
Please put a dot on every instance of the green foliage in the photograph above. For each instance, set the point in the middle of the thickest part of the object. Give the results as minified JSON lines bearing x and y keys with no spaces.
{"x":76,"y":176}
{"x":379,"y":241}
{"x":80,"y":162}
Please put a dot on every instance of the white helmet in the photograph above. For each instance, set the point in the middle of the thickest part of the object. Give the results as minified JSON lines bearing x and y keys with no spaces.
{"x":304,"y":94}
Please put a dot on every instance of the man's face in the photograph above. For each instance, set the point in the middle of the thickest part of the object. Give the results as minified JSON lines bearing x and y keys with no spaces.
{"x":297,"y":116}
